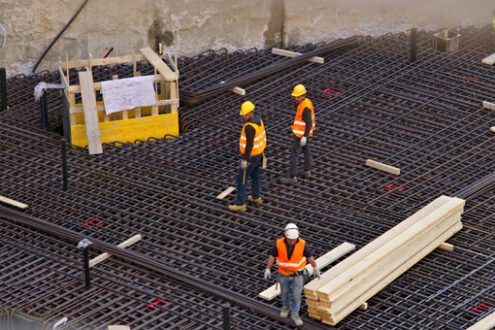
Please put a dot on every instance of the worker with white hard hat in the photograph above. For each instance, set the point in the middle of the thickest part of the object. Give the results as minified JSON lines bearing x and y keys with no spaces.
{"x":292,"y":253}
{"x":252,"y":143}
{"x":302,"y":128}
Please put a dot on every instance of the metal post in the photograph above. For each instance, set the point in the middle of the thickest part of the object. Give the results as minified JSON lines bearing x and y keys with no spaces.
{"x":44,"y":111}
{"x":226,"y":316}
{"x":414,"y":33}
{"x":64,"y":163}
{"x":3,"y":88}
{"x":84,"y":245}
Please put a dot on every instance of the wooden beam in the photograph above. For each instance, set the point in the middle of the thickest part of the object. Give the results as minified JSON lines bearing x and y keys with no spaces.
{"x":226,"y":192}
{"x":289,"y":53}
{"x":364,"y":306}
{"x":90,"y":113}
{"x":383,"y":167}
{"x":97,"y":85}
{"x":105,"y":61}
{"x":446,"y":246}
{"x":104,"y":256}
{"x":492,"y":129}
{"x":157,"y":62}
{"x":238,"y":90}
{"x":119,"y":327}
{"x":489,"y":59}
{"x":13,"y":202}
{"x":101,"y":107}
{"x":321,"y":262}
{"x":488,"y":105}
{"x":486,"y":323}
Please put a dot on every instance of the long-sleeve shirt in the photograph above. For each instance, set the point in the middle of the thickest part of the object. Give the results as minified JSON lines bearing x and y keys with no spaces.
{"x":250,"y":131}
{"x":307,"y":120}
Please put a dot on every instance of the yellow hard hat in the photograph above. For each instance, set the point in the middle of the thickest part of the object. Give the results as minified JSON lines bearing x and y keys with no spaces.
{"x":246,"y":107}
{"x":299,"y":90}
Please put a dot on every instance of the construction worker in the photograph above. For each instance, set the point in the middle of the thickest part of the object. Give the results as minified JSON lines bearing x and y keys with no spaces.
{"x":291,"y":253}
{"x":252,"y":143}
{"x":303,"y":127}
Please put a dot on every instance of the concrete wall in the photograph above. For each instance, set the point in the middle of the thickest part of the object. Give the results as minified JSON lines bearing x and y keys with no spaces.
{"x":192,"y":26}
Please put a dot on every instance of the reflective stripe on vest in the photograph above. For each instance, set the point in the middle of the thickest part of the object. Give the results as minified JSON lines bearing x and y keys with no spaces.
{"x":259,"y":142}
{"x":299,"y":126}
{"x":297,"y":260}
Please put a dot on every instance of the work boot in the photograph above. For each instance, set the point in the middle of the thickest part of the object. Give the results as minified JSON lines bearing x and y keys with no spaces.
{"x":285,"y":311}
{"x":285,"y":180}
{"x":256,"y":201}
{"x":304,"y":174}
{"x":237,"y":208}
{"x":297,"y":320}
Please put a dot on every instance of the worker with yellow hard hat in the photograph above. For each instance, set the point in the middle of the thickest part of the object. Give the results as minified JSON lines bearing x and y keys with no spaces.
{"x":252,"y":143}
{"x":303,"y":128}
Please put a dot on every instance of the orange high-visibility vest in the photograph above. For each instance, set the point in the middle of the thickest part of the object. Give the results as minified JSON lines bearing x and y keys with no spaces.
{"x":259,"y":142}
{"x":299,"y":126}
{"x":297,"y":260}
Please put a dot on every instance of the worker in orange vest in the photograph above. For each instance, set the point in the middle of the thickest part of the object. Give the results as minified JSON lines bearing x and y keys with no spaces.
{"x":303,"y":128}
{"x":252,"y":143}
{"x":292,"y":253}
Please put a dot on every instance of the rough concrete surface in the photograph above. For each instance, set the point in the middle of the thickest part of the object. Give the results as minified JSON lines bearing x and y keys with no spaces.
{"x":192,"y":26}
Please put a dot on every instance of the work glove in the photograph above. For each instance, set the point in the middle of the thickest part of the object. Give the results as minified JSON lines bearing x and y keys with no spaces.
{"x":303,"y":141}
{"x":268,"y":274}
{"x":244,"y":164}
{"x":316,"y":273}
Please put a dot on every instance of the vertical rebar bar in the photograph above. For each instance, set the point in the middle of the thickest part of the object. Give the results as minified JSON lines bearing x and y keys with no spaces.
{"x":226,"y":316}
{"x":414,"y":35}
{"x":64,"y":163}
{"x":44,"y":111}
{"x":3,"y":88}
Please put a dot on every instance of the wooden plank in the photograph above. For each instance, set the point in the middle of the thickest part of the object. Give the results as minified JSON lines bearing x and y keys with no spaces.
{"x":226,"y":192}
{"x":157,"y":62}
{"x":321,"y":262}
{"x":486,"y":323}
{"x":453,"y":206}
{"x":348,"y":262}
{"x":119,"y":327}
{"x":238,"y":90}
{"x":488,"y":105}
{"x":106,"y":61}
{"x":125,"y":244}
{"x":383,"y":167}
{"x":489,"y":59}
{"x":90,"y":113}
{"x":289,"y":53}
{"x":97,"y":85}
{"x":364,"y":306}
{"x":101,"y":107}
{"x":492,"y":129}
{"x":446,"y":247}
{"x":396,"y":257}
{"x":13,"y":202}
{"x":174,"y":94}
{"x":396,"y":273}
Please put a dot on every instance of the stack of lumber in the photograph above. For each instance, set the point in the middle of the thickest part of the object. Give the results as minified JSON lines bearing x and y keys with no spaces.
{"x":353,"y":281}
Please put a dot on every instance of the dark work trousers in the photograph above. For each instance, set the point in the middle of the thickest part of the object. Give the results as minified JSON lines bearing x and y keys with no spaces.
{"x":253,"y":172}
{"x":294,"y":156}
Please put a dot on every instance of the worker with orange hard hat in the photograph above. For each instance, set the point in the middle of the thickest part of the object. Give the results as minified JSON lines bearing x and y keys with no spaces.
{"x":303,"y":128}
{"x":252,"y":143}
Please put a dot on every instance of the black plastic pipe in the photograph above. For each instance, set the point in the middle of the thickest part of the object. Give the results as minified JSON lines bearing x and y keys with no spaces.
{"x":414,"y":37}
{"x":64,"y":163}
{"x":3,"y":88}
{"x":56,"y":37}
{"x":226,"y":316}
{"x":44,"y":111}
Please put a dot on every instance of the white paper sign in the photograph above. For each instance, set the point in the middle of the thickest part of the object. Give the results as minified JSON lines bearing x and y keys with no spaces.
{"x":127,"y":93}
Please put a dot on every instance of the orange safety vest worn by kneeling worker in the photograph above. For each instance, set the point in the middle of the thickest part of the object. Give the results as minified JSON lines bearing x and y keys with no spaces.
{"x":297,"y":260}
{"x":299,"y":126}
{"x":259,"y":142}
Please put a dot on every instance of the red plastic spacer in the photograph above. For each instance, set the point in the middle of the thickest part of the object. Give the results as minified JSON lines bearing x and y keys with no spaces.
{"x":476,"y":310}
{"x":90,"y":225}
{"x":153,"y":305}
{"x":483,"y":305}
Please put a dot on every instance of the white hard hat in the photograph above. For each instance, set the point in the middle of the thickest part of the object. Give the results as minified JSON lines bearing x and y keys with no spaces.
{"x":291,"y":231}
